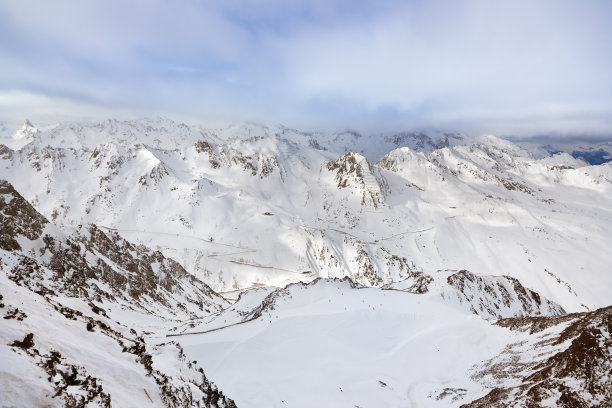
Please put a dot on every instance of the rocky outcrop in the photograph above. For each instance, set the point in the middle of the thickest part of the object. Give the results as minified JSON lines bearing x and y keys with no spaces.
{"x":353,"y":171}
{"x":17,"y":218}
{"x":77,"y":264}
{"x":575,"y":370}
{"x":498,"y":296}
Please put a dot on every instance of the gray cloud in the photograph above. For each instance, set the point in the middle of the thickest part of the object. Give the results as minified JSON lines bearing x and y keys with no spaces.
{"x":500,"y":67}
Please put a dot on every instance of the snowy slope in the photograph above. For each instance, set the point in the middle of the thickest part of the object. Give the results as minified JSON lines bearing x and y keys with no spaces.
{"x":74,"y":312}
{"x":334,"y":343}
{"x":78,"y":355}
{"x":331,"y":344}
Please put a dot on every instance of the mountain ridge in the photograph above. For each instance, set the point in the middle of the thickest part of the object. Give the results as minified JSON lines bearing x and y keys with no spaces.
{"x":407,"y":203}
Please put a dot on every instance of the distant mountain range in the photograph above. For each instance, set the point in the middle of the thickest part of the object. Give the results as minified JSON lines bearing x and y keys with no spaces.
{"x":593,"y":150}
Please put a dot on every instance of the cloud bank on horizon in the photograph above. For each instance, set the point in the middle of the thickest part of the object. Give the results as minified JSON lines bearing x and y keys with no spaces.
{"x":505,"y":67}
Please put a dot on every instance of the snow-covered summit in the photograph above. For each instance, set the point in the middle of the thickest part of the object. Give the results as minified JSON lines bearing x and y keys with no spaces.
{"x":26,"y":130}
{"x":22,"y":136}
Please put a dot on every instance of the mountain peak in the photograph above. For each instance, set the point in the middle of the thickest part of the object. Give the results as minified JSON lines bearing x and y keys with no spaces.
{"x":26,"y":130}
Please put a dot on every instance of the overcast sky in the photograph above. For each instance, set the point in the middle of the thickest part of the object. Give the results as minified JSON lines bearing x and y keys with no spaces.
{"x":503,"y":67}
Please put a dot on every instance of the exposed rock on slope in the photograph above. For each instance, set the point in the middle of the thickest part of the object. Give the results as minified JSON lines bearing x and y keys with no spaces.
{"x":76,"y":265}
{"x":354,"y":171}
{"x":72,"y":304}
{"x":571,"y":368}
{"x":491,"y":297}
{"x":17,"y":218}
{"x":68,"y":352}
{"x":499,"y":296}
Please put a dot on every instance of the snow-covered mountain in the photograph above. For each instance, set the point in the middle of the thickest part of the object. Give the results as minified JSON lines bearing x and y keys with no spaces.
{"x":76,"y":309}
{"x":367,"y":270}
{"x":593,"y":150}
{"x":251,"y":205}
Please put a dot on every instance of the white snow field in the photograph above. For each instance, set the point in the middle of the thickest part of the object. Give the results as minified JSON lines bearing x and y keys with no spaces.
{"x":331,"y":345}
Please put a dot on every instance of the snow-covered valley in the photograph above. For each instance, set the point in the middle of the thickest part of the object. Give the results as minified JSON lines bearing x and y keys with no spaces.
{"x":296,"y":269}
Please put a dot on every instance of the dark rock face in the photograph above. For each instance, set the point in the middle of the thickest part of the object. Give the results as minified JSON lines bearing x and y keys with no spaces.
{"x":65,"y":375}
{"x":26,"y":343}
{"x":17,"y":217}
{"x":419,"y":283}
{"x":202,"y":146}
{"x":345,"y":166}
{"x":137,"y":260}
{"x":126,"y":268}
{"x":180,"y":395}
{"x":578,"y":374}
{"x":223,"y":155}
{"x":15,"y":313}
